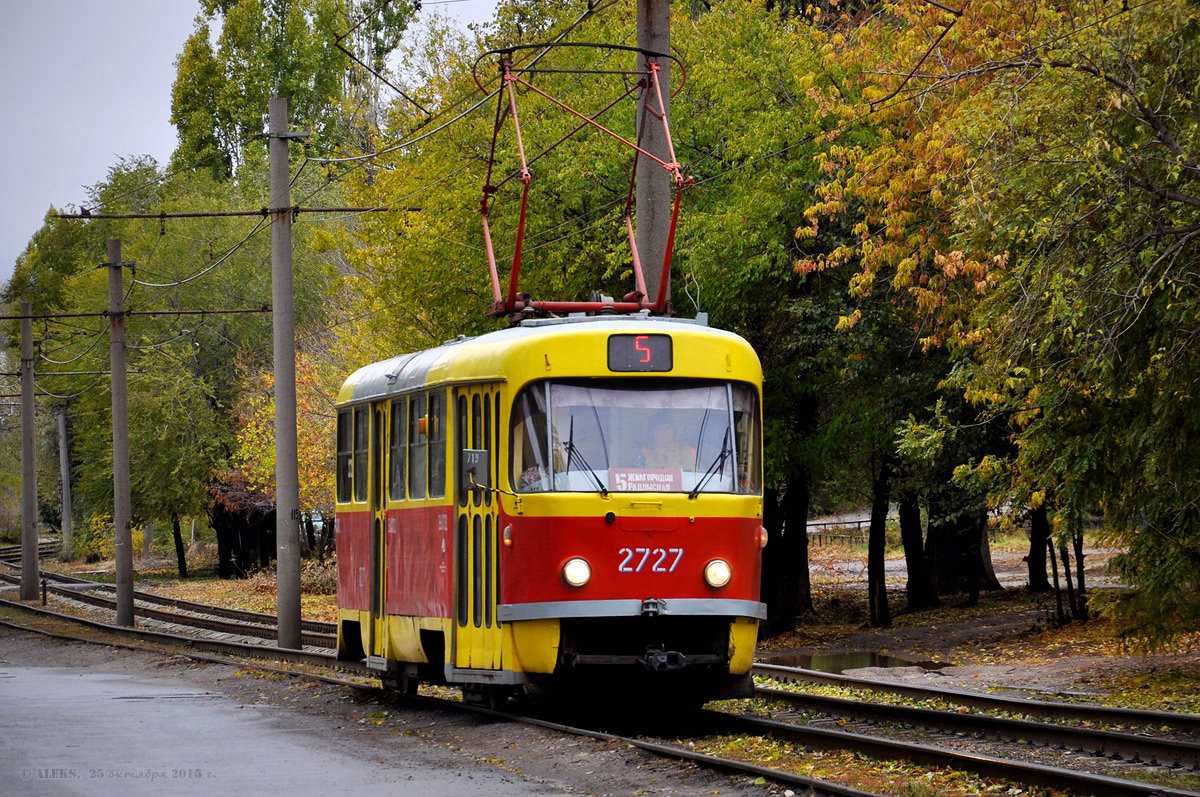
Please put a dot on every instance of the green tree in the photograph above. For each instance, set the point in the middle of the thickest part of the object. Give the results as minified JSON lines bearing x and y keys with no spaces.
{"x":287,"y":48}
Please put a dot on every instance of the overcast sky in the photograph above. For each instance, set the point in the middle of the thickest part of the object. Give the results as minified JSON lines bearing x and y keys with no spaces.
{"x":83,"y":83}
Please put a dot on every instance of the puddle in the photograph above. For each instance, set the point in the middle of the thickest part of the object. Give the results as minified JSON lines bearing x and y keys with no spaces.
{"x":840,"y":662}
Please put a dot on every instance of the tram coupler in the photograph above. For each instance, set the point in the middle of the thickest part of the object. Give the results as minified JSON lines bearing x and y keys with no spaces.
{"x":659,"y":660}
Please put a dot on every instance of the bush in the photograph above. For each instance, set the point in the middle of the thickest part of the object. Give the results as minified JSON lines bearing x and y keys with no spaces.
{"x":97,"y":540}
{"x":318,"y":579}
{"x":315,"y":579}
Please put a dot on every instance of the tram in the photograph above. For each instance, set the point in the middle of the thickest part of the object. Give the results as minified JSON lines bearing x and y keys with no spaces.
{"x":562,"y":505}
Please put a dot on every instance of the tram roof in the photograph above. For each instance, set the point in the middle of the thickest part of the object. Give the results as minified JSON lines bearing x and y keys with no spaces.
{"x":494,"y":356}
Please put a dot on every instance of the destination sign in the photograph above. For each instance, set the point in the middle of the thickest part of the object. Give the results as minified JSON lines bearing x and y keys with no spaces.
{"x":640,"y":353}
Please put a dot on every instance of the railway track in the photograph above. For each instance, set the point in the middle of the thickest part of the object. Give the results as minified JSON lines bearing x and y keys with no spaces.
{"x":191,"y":615}
{"x":1189,"y":723}
{"x":12,"y":553}
{"x":194,"y":643}
{"x":1127,"y":747}
{"x":1134,"y":748}
{"x":1070,"y":780}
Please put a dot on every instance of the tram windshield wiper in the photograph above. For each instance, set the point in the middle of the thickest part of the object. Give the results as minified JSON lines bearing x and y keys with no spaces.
{"x":573,"y":452}
{"x":718,"y":465}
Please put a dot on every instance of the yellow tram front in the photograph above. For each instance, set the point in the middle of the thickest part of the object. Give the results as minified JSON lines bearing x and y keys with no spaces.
{"x":559,"y":503}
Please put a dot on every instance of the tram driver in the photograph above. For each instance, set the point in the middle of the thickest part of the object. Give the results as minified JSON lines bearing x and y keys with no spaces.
{"x":667,"y":449}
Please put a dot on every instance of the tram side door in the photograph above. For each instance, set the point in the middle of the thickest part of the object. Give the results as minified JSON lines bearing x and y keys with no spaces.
{"x":477,"y":555}
{"x":379,"y":420}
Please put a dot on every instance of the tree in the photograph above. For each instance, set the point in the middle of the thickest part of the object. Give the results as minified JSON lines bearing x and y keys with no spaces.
{"x":173,"y":449}
{"x":1033,"y":196}
{"x":276,"y":48}
{"x":318,"y":377}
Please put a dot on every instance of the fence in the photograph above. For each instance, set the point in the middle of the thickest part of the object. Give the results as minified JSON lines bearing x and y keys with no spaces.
{"x":850,"y":532}
{"x":840,"y":532}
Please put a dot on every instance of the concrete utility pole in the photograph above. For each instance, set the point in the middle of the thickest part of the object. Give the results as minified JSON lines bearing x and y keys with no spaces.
{"x":653,"y":194}
{"x":64,"y":468}
{"x":29,"y":528}
{"x":122,"y":527}
{"x":287,"y":476}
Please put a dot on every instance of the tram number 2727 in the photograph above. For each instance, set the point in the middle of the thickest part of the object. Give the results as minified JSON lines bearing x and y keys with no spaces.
{"x":660,"y":557}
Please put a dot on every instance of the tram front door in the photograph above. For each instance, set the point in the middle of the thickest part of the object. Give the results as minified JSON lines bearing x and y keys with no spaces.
{"x":477,"y":643}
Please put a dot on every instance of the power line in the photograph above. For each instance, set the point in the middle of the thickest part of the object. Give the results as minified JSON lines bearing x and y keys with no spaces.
{"x":358,"y":160}
{"x":95,"y":340}
{"x":593,"y":7}
{"x":106,"y":313}
{"x":210,"y":267}
{"x":164,"y":177}
{"x":86,"y":215}
{"x":59,"y":373}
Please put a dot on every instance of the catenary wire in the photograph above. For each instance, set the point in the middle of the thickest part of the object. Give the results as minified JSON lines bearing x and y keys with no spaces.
{"x":209,"y":268}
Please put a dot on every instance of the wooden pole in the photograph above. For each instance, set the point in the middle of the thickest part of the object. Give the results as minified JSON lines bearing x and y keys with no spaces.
{"x":287,"y":476}
{"x":653,"y":193}
{"x":122,"y":528}
{"x":29,"y":527}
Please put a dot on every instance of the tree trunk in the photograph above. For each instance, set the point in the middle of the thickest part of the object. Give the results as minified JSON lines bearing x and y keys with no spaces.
{"x":1062,"y":617}
{"x":795,"y":511}
{"x":919,"y":589}
{"x":310,"y":534}
{"x":1066,"y":565}
{"x":1083,"y":606}
{"x":941,"y":548}
{"x":972,"y":553}
{"x":773,"y":570}
{"x":957,"y":548}
{"x":327,"y":531}
{"x":262,"y":526}
{"x":881,"y":617}
{"x":1039,"y":534}
{"x":786,"y":588}
{"x":229,"y":555}
{"x":987,"y":572}
{"x":179,"y":550}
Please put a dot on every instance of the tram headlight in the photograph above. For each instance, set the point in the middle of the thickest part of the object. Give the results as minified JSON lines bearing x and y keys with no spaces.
{"x":763,"y":537}
{"x":577,"y":572}
{"x":717,"y":573}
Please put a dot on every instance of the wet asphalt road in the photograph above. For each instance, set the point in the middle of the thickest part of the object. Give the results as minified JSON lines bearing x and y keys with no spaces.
{"x":93,"y":732}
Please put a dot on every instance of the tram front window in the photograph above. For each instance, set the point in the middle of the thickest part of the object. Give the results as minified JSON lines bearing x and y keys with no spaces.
{"x":651,"y":435}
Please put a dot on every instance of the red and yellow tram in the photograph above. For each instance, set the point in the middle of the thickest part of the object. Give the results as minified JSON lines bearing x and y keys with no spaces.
{"x":567,"y":502}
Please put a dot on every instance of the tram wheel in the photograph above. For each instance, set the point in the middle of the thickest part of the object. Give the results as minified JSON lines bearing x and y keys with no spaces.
{"x":486,"y":695}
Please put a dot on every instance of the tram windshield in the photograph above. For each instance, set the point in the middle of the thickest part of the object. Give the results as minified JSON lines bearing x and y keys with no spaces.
{"x":645,"y":435}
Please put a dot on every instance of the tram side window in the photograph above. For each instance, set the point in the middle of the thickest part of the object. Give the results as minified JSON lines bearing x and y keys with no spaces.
{"x":397,"y":455}
{"x":745,"y":424}
{"x":345,"y":450}
{"x":437,"y":445}
{"x":417,"y":444}
{"x":460,"y":436}
{"x":362,"y":436}
{"x":529,"y":468}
